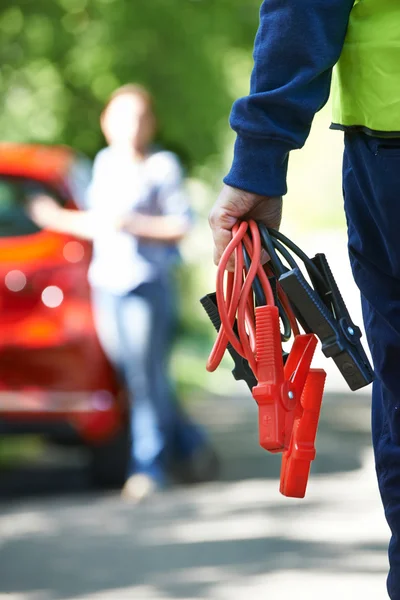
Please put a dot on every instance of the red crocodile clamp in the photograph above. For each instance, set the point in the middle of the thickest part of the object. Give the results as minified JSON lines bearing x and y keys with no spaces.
{"x":279,"y":387}
{"x":289,"y":394}
{"x":296,"y":460}
{"x":289,"y":398}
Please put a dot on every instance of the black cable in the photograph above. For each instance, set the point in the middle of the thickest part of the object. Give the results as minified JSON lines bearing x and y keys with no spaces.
{"x":257,"y":287}
{"x":276,"y":263}
{"x":296,"y":250}
{"x":286,"y":254}
{"x":287,"y":328}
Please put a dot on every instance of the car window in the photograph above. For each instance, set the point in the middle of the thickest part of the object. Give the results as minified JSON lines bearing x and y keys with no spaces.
{"x":14,"y":194}
{"x":79,"y":178}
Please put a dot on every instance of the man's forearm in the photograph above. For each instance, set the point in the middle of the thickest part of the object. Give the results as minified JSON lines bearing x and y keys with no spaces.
{"x":297,"y":45}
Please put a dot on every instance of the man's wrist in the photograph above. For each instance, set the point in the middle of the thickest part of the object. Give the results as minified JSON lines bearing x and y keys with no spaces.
{"x":259,"y":166}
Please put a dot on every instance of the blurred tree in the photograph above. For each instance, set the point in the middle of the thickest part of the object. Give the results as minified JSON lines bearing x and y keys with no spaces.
{"x":60,"y":59}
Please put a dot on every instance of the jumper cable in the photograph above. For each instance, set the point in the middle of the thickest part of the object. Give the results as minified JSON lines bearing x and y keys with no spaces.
{"x":248,"y":309}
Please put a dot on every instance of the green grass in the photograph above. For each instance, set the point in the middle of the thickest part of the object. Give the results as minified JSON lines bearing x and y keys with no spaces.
{"x":15,"y":450}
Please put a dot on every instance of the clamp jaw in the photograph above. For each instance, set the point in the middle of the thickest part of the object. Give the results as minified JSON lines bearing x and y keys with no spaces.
{"x":287,"y":396}
{"x":296,"y":460}
{"x":323,"y":311}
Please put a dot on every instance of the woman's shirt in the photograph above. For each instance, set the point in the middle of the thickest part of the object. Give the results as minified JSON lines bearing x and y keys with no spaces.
{"x":119,"y":187}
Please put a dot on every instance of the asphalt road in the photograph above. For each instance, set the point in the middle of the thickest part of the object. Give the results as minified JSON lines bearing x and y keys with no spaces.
{"x":234,"y":539}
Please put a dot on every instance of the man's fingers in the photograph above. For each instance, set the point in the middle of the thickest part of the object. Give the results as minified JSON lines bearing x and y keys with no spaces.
{"x":221,"y":231}
{"x":222,"y":237}
{"x":233,"y":204}
{"x":231,"y":263}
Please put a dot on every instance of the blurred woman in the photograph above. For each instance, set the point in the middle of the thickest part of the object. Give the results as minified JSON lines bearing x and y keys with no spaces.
{"x":137,"y":212}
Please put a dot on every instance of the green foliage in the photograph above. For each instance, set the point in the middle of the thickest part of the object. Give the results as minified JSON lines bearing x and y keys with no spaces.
{"x":60,"y":59}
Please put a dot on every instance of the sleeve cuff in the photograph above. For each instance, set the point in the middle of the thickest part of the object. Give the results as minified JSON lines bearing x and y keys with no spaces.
{"x":259,"y":166}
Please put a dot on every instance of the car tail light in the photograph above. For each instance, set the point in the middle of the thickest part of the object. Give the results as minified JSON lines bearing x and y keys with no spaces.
{"x":52,"y":296}
{"x":23,"y":292}
{"x":74,"y":251}
{"x":15,"y":280}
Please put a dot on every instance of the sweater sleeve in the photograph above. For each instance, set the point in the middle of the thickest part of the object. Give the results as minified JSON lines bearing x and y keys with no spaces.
{"x":297,"y":44}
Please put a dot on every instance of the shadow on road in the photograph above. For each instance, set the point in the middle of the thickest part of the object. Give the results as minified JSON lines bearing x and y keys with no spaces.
{"x":343,"y":435}
{"x":60,"y":540}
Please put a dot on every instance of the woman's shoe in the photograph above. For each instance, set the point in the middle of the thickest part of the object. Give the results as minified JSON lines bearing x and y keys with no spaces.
{"x":139,"y":487}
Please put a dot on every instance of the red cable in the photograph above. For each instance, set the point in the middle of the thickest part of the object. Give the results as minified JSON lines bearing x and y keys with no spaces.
{"x":238,"y":303}
{"x":288,"y":395}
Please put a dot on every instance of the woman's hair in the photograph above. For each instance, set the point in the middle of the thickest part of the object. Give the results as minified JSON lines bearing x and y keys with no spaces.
{"x":132,"y":89}
{"x":140,"y":91}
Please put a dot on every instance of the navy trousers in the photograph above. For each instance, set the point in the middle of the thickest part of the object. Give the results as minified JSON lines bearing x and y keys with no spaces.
{"x":371,"y":182}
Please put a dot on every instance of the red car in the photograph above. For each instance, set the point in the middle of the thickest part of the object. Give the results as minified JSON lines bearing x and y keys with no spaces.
{"x":54,"y":378}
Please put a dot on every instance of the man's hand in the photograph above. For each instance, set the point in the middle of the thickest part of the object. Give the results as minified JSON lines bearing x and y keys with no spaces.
{"x":234,"y":204}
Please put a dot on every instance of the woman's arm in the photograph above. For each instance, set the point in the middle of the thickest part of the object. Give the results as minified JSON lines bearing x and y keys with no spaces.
{"x":46,"y":213}
{"x":173,"y":220}
{"x":169,"y":229}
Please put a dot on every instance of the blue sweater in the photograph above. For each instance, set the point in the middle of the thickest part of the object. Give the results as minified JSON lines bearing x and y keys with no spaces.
{"x":297,"y":45}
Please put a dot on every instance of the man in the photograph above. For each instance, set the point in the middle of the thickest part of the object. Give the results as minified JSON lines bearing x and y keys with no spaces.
{"x":297,"y":45}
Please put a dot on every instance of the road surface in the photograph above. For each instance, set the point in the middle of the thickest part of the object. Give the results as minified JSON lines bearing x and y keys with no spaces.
{"x":228,"y":540}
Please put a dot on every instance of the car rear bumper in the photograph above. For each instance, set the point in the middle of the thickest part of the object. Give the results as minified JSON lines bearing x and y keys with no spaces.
{"x":92,"y":416}
{"x":73,"y":364}
{"x":57,"y":430}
